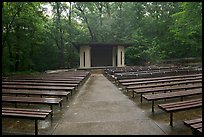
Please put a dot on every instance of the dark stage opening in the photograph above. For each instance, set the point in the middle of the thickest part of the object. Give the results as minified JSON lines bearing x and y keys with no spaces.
{"x":101,"y":55}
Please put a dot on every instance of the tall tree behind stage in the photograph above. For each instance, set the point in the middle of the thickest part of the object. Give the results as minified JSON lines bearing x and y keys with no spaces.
{"x":37,"y":36}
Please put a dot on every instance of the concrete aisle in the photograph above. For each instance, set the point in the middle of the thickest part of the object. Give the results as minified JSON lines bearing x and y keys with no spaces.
{"x":100,"y":108}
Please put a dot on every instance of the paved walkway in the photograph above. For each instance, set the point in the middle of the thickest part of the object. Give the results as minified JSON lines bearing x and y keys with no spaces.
{"x":100,"y":108}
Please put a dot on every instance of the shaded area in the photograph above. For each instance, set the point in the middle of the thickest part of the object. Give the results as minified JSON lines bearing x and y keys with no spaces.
{"x":101,"y":56}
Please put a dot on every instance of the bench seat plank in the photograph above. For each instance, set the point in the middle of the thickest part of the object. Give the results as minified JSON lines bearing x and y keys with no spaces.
{"x":39,"y":84}
{"x":180,"y":106}
{"x":37,"y":87}
{"x":25,"y":112}
{"x":33,"y":114}
{"x":168,"y":95}
{"x":164,"y":89}
{"x":160,"y":81}
{"x":196,"y":125}
{"x":192,"y":121}
{"x":30,"y":116}
{"x":51,"y":79}
{"x":180,"y":103}
{"x":158,"y":78}
{"x":27,"y":109}
{"x":31,"y":99}
{"x":44,"y":81}
{"x":185,"y":107}
{"x":154,"y":97}
{"x":37,"y":92}
{"x":150,"y":74}
{"x":36,"y":100}
{"x":164,"y":84}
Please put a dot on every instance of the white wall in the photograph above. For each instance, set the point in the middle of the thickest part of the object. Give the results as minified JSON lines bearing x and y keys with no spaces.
{"x":121,"y":49}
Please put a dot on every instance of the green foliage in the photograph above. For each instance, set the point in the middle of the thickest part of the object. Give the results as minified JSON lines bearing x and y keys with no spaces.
{"x":34,"y":41}
{"x":135,"y":55}
{"x":187,"y":28}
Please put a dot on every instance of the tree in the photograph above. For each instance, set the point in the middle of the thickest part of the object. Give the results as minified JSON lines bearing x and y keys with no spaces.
{"x":187,"y":28}
{"x":35,"y":41}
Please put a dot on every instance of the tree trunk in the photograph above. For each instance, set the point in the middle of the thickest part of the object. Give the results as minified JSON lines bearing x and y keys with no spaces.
{"x":70,"y":12}
{"x":93,"y":37}
{"x":100,"y":9}
{"x":108,"y":9}
{"x":59,"y":38}
{"x":8,"y":27}
{"x":17,"y":56}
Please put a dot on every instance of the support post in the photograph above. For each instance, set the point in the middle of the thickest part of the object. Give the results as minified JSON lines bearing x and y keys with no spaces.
{"x":171,"y":119}
{"x":36,"y":127}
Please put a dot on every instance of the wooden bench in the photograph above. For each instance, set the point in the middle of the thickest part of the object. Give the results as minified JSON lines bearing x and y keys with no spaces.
{"x":195,"y":125}
{"x":69,"y":74}
{"x":164,"y":89}
{"x":78,"y":76}
{"x":155,"y":74}
{"x":136,"y":72}
{"x":164,"y":84}
{"x":48,"y":78}
{"x":137,"y":68}
{"x":52,"y":76}
{"x":39,"y":84}
{"x":130,"y":75}
{"x":143,"y":70}
{"x":71,"y":89}
{"x":34,"y":100}
{"x":44,"y":81}
{"x":158,"y":78}
{"x":176,"y":94}
{"x":37,"y":92}
{"x":160,"y":81}
{"x":180,"y":106}
{"x":25,"y":113}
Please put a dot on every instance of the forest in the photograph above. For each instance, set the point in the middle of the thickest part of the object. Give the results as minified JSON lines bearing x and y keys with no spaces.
{"x":39,"y":36}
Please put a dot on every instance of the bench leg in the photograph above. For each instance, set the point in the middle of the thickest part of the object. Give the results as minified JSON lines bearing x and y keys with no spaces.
{"x":51,"y":114}
{"x":36,"y":127}
{"x":60,"y":104}
{"x":132,"y":94}
{"x":115,"y":81}
{"x":141,"y":98}
{"x":51,"y":107}
{"x":67,"y":97}
{"x":152,"y":105}
{"x":171,"y":119}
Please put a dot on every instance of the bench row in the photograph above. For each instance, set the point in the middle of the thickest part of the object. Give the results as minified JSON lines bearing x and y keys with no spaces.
{"x":57,"y":86}
{"x":180,"y":85}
